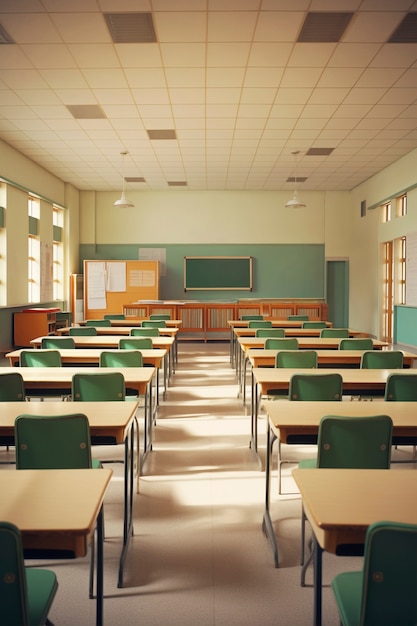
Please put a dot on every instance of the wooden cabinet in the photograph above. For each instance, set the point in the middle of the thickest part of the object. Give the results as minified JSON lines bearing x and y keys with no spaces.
{"x":33,"y":323}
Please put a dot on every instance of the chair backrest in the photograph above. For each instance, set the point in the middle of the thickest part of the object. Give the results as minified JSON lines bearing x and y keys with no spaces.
{"x":40,"y":358}
{"x":300,"y":318}
{"x":316,"y":387}
{"x":57,"y":343}
{"x":296,"y":358}
{"x":82,"y":330}
{"x":401,"y":388}
{"x":26,"y":593}
{"x":334,"y":332}
{"x":100,"y":387}
{"x":355,"y":442}
{"x":247,"y":318}
{"x":382,"y":359}
{"x":114,"y":316}
{"x":160,"y":316}
{"x":390,"y":574}
{"x":135,"y":343}
{"x":122,"y":358}
{"x":100,"y":322}
{"x":12,"y":388}
{"x":314,"y":325}
{"x":144,"y":332}
{"x":281,"y":343}
{"x":270,"y":332}
{"x":259,"y":324}
{"x":154,"y":324}
{"x":356,"y":343}
{"x":52,"y":441}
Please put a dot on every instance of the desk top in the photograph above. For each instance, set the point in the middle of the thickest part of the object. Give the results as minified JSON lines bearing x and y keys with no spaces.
{"x":109,"y":341}
{"x":291,"y":418}
{"x":261,"y":357}
{"x":354,"y":378}
{"x":134,"y":322}
{"x":53,"y":508}
{"x":105,"y":418}
{"x":59,"y":377}
{"x":341,"y":504}
{"x":119,"y":330}
{"x":295,"y":332}
{"x":277,"y":323}
{"x":92,"y":355}
{"x":309,"y":343}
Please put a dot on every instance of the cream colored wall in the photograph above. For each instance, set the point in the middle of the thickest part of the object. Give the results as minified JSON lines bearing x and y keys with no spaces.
{"x":17,"y":246}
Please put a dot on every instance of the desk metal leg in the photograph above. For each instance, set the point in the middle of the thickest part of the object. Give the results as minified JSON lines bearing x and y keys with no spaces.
{"x":267,"y":522}
{"x":99,"y":568}
{"x":128,"y":500}
{"x":318,"y":560}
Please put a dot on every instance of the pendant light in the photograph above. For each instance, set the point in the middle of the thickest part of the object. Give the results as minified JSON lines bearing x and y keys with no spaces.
{"x":295,"y":203}
{"x":123,"y":202}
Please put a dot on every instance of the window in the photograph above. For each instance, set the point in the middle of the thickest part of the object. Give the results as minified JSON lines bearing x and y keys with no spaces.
{"x":401,"y":205}
{"x":399,"y":210}
{"x":33,"y":269}
{"x":58,"y":254}
{"x":386,"y":212}
{"x":393,"y":283}
{"x":400,"y":265}
{"x":34,"y":207}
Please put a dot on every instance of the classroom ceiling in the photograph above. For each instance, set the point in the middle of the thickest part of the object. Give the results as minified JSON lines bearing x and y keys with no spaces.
{"x":216,"y":95}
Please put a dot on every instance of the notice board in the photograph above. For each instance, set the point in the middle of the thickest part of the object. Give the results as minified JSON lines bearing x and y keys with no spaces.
{"x":108,"y":285}
{"x":218,"y":272}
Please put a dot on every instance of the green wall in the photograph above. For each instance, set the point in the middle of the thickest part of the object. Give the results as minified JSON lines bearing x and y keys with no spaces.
{"x":405,"y":325}
{"x":279,"y":270}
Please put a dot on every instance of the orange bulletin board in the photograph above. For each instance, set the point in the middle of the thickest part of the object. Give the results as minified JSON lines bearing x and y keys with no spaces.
{"x":108,"y":285}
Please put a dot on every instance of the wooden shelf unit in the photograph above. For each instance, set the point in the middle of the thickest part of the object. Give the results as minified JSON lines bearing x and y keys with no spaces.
{"x":208,"y":320}
{"x":33,"y":323}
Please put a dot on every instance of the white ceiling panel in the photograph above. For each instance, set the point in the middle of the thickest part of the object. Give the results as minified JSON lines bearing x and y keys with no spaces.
{"x":230,"y":78}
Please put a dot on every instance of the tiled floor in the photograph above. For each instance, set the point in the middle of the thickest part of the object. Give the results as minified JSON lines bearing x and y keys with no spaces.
{"x":198,"y":555}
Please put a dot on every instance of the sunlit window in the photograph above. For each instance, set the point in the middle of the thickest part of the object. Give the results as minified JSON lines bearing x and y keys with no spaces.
{"x":33,"y":269}
{"x":58,"y":254}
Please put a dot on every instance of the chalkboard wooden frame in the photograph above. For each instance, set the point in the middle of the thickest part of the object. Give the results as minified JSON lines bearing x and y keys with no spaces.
{"x":228,"y":273}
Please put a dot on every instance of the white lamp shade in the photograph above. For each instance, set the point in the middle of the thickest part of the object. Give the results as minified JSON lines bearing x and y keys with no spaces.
{"x":295,"y":203}
{"x":124,"y":203}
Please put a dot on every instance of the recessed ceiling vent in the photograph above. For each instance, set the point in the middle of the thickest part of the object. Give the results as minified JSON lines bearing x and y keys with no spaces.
{"x":86,"y":111}
{"x":4,"y":36}
{"x":162,"y":134}
{"x":135,"y":179}
{"x":324,"y":27}
{"x":406,"y":31}
{"x":131,"y":27}
{"x":177,"y":183}
{"x":298,"y":179}
{"x":319,"y":151}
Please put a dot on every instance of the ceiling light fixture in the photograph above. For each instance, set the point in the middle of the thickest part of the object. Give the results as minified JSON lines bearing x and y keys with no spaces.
{"x":295,"y":203}
{"x":123,"y":202}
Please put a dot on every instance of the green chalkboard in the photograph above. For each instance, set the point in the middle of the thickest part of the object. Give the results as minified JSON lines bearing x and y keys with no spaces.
{"x":218,"y":272}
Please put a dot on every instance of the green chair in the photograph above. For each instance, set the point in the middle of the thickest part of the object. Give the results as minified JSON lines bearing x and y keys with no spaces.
{"x":314,"y":325}
{"x":296,"y":359}
{"x":57,"y":343}
{"x":349,"y":443}
{"x":135,"y":343}
{"x":78,"y":331}
{"x":55,"y":442}
{"x":100,"y":387}
{"x":247,"y":318}
{"x":259,"y":324}
{"x":334,"y":332}
{"x":144,"y":332}
{"x":281,"y":343}
{"x":26,"y":593}
{"x":309,"y":387}
{"x":160,"y":316}
{"x":402,"y":388}
{"x":384,"y":592}
{"x":154,"y":324}
{"x":121,"y":358}
{"x":356,"y":343}
{"x":299,"y":318}
{"x":100,"y":322}
{"x":382,"y":359}
{"x":270,"y":332}
{"x":40,"y":358}
{"x":12,"y":389}
{"x":114,"y":316}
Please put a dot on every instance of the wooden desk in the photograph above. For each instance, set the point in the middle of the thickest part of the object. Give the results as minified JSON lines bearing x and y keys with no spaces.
{"x":91,"y":356}
{"x":138,"y":378}
{"x":341,"y":504}
{"x":329,"y":358}
{"x":133,"y":322}
{"x":119,"y":330}
{"x":57,"y":510}
{"x":112,"y":341}
{"x":355,"y":381}
{"x":112,"y":420}
{"x":287,"y":419}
